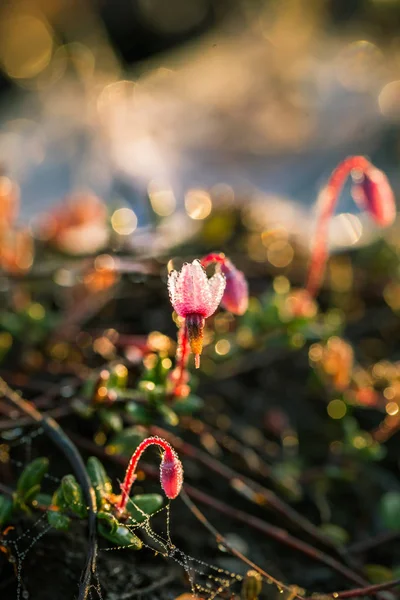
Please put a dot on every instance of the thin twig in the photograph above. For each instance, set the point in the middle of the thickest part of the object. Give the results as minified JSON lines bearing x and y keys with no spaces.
{"x":219,"y":538}
{"x":66,"y":446}
{"x":367,"y":591}
{"x":55,"y":413}
{"x":374,"y":542}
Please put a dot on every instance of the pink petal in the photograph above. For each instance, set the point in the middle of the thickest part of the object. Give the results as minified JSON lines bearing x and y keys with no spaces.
{"x":172,"y":279}
{"x":216,"y":286}
{"x":192,"y":293}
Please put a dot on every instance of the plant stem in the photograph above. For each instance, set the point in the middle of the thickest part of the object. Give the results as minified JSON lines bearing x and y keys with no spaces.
{"x":130,"y":475}
{"x":374,"y":542}
{"x":57,"y":435}
{"x":213,"y":257}
{"x":366,"y":591}
{"x":56,"y":413}
{"x":182,"y":357}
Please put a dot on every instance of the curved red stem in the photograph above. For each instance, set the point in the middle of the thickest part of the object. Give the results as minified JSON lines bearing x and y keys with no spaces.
{"x":326,"y":205}
{"x":213,"y":257}
{"x":130,"y":475}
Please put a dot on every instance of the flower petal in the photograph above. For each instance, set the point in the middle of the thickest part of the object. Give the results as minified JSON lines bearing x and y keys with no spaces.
{"x":172,"y":280}
{"x":217,"y":286}
{"x":192,"y":292}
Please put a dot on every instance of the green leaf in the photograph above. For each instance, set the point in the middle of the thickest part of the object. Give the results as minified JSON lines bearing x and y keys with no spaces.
{"x":109,"y":521}
{"x":58,"y":520}
{"x":6,"y":509}
{"x":111,"y":419}
{"x":82,"y":408}
{"x":169,"y":416}
{"x":59,"y":500}
{"x":31,"y":494}
{"x":32,"y":476}
{"x":390,"y":510}
{"x":335,"y":533}
{"x":121,"y":537}
{"x":88,"y":388}
{"x":44,"y":499}
{"x":189,"y":405}
{"x":126,"y":441}
{"x":73,"y":496}
{"x":100,"y":480}
{"x":139,"y":413}
{"x":378,"y":573}
{"x":145,"y":503}
{"x":118,"y":378}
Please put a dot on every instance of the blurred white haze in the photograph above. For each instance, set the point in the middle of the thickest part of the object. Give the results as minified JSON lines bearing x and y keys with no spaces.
{"x":259,"y":111}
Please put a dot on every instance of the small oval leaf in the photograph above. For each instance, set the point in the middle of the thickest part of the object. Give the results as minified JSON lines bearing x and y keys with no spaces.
{"x":32,"y":475}
{"x":73,"y":496}
{"x":58,"y":520}
{"x":121,"y":537}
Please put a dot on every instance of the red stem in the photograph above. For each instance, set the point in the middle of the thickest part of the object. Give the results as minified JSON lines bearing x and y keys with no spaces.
{"x":213,"y":257}
{"x":326,"y":205}
{"x":366,"y":591}
{"x":130,"y":471}
{"x":182,"y":357}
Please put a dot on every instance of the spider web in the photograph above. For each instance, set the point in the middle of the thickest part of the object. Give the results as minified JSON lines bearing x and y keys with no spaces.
{"x":206,"y":580}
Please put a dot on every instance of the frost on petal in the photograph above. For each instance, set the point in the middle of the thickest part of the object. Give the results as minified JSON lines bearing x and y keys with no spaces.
{"x":192,"y":293}
{"x":172,"y":280}
{"x":171,"y":474}
{"x":216,"y":286}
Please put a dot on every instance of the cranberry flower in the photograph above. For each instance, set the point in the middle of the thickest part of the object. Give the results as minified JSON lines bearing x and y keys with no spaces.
{"x":194,"y":297}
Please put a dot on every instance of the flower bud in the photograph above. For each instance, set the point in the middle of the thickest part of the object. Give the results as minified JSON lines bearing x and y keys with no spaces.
{"x":252,"y":585}
{"x":171,"y":474}
{"x":236,"y":294}
{"x":372,"y":192}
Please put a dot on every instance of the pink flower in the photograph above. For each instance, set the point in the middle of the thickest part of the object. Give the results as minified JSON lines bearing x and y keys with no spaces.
{"x":195,"y":297}
{"x":372,"y":192}
{"x":236,"y":294}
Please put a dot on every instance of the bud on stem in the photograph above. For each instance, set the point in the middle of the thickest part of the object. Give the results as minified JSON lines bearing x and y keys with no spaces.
{"x":371,"y":191}
{"x":171,"y":471}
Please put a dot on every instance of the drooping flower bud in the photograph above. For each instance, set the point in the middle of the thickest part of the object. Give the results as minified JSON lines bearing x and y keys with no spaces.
{"x":171,"y":474}
{"x":236,"y":294}
{"x":372,"y":192}
{"x":171,"y":471}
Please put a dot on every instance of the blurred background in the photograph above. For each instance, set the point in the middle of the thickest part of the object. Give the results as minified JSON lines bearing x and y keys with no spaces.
{"x":174,"y":109}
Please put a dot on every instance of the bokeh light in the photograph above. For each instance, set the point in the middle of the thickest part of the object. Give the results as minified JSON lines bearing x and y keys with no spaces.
{"x":198,"y":204}
{"x":124,"y":221}
{"x":26,"y":45}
